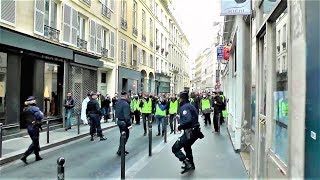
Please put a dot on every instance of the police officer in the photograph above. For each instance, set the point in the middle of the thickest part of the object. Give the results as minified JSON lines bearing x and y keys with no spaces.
{"x":94,"y":113}
{"x":123,"y":116}
{"x":188,"y":121}
{"x":33,"y":117}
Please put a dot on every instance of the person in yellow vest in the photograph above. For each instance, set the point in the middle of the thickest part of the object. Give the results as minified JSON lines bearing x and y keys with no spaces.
{"x":161,"y":114}
{"x":206,"y":110}
{"x":136,"y":109}
{"x":146,"y":110}
{"x":173,"y":110}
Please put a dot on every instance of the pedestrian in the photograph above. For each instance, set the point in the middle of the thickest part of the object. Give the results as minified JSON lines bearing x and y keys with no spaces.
{"x":114,"y":102}
{"x":94,"y":113}
{"x":69,"y":106}
{"x":106,"y":103}
{"x":146,"y":109}
{"x":173,"y":110}
{"x":84,"y":108}
{"x":136,"y":109}
{"x":223,"y":108}
{"x":206,"y":109}
{"x":33,"y":116}
{"x":217,"y":108}
{"x":161,"y":115}
{"x":188,"y":122}
{"x":123,"y":116}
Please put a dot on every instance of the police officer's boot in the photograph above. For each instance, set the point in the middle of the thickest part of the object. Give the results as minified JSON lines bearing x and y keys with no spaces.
{"x":102,"y":138}
{"x":24,"y":159}
{"x":187,"y":166}
{"x":38,"y":158}
{"x":91,"y":138}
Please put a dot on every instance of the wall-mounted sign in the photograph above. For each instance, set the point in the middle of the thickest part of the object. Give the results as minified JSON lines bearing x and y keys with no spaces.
{"x":220,"y":52}
{"x":268,"y":5}
{"x":235,"y":7}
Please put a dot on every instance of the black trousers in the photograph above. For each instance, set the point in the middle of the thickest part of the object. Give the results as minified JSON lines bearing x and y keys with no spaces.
{"x":137,"y":116}
{"x":123,"y":128}
{"x":172,"y":116}
{"x":95,"y":125}
{"x":207,"y":118}
{"x":216,"y":121}
{"x":146,"y":116}
{"x":35,"y":145}
{"x":185,"y":143}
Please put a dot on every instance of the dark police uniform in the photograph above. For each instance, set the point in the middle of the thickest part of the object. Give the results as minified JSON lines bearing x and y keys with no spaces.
{"x":189,"y":123}
{"x":33,"y":116}
{"x":94,"y":114}
{"x":123,"y":115}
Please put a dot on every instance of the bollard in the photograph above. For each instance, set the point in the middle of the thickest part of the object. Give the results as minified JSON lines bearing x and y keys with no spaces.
{"x":175,"y":124}
{"x":123,"y":149}
{"x":60,"y":173}
{"x":78,"y":124}
{"x":48,"y":131}
{"x":150,"y":137}
{"x":165,"y":132}
{"x":0,"y":140}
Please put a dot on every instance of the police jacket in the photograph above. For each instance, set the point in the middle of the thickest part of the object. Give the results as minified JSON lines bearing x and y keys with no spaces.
{"x":188,"y":117}
{"x":31,"y":114}
{"x":93,"y":107}
{"x":123,"y":111}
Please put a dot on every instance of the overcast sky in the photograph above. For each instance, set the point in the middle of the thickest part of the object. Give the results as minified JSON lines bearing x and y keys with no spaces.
{"x":197,"y":17}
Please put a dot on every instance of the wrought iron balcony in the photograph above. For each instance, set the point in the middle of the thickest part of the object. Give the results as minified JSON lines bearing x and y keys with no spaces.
{"x":135,"y":31}
{"x":167,"y":53}
{"x":144,"y":39}
{"x":157,"y":47}
{"x":88,"y":2}
{"x":82,"y":44}
{"x":124,"y":24}
{"x":162,"y":50}
{"x":151,"y":43}
{"x":104,"y":52}
{"x":106,"y":12}
{"x":51,"y":33}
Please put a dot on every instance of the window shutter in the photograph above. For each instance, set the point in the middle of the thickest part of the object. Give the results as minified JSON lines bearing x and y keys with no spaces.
{"x":112,"y":5}
{"x":98,"y":38}
{"x":92,"y":36}
{"x":121,"y":56}
{"x":74,"y":31}
{"x":125,"y":51}
{"x":111,"y":44}
{"x":66,"y":23}
{"x":147,"y":60}
{"x":132,"y":54}
{"x":8,"y":11}
{"x":141,"y":56}
{"x":138,"y":55}
{"x":38,"y":17}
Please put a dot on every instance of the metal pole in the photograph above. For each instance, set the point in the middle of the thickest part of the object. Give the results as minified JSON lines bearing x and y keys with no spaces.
{"x":122,"y":146}
{"x":150,"y":137}
{"x":165,"y":131}
{"x":79,"y":124}
{"x":0,"y":140}
{"x":48,"y":131}
{"x":60,"y":169}
{"x":175,"y":124}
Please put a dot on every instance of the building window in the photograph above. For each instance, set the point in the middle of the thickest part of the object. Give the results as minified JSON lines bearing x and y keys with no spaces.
{"x":111,"y":5}
{"x":165,"y":21}
{"x":50,"y":13}
{"x":151,"y":61}
{"x":124,"y":9}
{"x":112,"y":44}
{"x":123,"y":56}
{"x":3,"y":83}
{"x":134,"y":14}
{"x":104,"y":43}
{"x":143,"y":23}
{"x":103,"y":77}
{"x":151,"y":32}
{"x":81,"y":27}
{"x":156,"y":10}
{"x":161,"y":16}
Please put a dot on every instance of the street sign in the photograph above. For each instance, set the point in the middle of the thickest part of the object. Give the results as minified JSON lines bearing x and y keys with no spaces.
{"x":220,"y":52}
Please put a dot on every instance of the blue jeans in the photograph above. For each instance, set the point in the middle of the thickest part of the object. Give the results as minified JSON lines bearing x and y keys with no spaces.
{"x":68,"y":115}
{"x":162,"y":120}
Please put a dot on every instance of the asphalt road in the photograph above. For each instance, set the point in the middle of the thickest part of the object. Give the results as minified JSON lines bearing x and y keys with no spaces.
{"x":85,"y":159}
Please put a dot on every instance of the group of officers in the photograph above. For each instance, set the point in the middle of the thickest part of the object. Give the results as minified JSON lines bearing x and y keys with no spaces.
{"x":129,"y":108}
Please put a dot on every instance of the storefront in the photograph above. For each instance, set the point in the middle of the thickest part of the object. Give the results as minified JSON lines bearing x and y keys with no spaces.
{"x":162,"y":82}
{"x":31,"y":66}
{"x":129,"y":80}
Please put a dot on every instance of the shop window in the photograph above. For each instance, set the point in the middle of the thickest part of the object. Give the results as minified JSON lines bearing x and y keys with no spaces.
{"x":51,"y":91}
{"x":3,"y":79}
{"x":103,"y":78}
{"x":280,"y":98}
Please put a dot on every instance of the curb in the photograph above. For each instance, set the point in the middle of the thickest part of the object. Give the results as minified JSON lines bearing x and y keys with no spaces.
{"x":5,"y":160}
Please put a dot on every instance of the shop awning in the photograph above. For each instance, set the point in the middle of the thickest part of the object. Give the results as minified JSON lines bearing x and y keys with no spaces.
{"x":88,"y":61}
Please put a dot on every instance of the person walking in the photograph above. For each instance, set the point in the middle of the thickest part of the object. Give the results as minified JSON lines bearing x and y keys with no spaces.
{"x":173,"y":110}
{"x":146,"y":109}
{"x":217,"y":108}
{"x":114,"y":102}
{"x":206,"y":109}
{"x":33,"y":116}
{"x":69,"y":106}
{"x":161,"y":115}
{"x":188,"y":122}
{"x":122,"y":110}
{"x":94,"y":113}
{"x":84,"y":108}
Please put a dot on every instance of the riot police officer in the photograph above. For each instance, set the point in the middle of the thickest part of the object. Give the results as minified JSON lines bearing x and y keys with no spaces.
{"x":188,"y":121}
{"x":94,"y":114}
{"x":33,"y":117}
{"x":123,"y":116}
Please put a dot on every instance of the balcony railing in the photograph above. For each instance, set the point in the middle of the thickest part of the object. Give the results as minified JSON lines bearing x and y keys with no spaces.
{"x":104,"y":52}
{"x":106,"y":12}
{"x":162,"y":50}
{"x":151,"y":43}
{"x":144,"y":39}
{"x":51,"y":33}
{"x":135,"y":31}
{"x":124,"y":24}
{"x":88,"y":2}
{"x":82,"y":44}
{"x":157,"y":47}
{"x":166,"y":53}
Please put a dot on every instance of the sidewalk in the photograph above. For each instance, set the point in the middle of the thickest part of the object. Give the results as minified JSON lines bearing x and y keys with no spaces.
{"x":214,"y":159}
{"x":13,"y":149}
